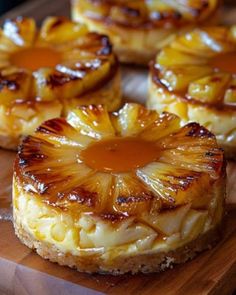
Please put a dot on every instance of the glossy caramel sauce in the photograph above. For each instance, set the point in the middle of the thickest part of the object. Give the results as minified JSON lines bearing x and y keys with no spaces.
{"x":225,"y":62}
{"x":34,"y":58}
{"x":120,"y":154}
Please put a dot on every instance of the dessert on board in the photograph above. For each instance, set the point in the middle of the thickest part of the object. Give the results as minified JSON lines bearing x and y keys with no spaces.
{"x":195,"y":78}
{"x":138,"y":29}
{"x":128,"y":191}
{"x":45,"y":72}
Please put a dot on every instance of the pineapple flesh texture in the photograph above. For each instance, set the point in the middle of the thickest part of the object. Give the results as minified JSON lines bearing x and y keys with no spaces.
{"x":194,"y":77}
{"x":140,"y":12}
{"x":86,"y":70}
{"x":161,"y":206}
{"x":138,"y":29}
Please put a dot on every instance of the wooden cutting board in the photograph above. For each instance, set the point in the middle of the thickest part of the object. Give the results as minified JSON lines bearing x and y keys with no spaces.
{"x":22,"y":272}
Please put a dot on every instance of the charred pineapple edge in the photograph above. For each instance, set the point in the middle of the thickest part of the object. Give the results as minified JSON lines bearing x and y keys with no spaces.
{"x":108,"y":93}
{"x":114,"y":260}
{"x":159,"y":98}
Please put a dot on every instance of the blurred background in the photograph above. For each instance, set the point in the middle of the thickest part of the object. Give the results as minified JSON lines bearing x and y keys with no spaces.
{"x":6,"y":5}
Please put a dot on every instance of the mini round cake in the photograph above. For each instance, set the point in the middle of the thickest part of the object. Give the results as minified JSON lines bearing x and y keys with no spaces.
{"x":119,"y":192}
{"x":195,"y":78}
{"x":138,"y":29}
{"x":46,"y":72}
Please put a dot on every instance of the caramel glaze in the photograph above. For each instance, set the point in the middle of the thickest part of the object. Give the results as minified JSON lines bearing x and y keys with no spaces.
{"x":34,"y":58}
{"x":120,"y":154}
{"x":134,"y":19}
{"x":219,"y":107}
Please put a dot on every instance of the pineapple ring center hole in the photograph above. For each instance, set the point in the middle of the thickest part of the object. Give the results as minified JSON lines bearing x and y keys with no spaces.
{"x":120,"y":154}
{"x":225,"y":62}
{"x":34,"y":58}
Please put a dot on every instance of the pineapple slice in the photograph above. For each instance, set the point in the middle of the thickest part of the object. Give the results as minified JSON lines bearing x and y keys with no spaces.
{"x":194,"y":77}
{"x":205,"y":42}
{"x":179,"y":78}
{"x":45,"y":73}
{"x":209,"y":89}
{"x":138,"y":29}
{"x":170,"y":57}
{"x":109,"y":188}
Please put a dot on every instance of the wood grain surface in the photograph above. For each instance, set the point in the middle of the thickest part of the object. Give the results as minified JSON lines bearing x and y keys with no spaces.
{"x":212,"y":272}
{"x":22,"y":272}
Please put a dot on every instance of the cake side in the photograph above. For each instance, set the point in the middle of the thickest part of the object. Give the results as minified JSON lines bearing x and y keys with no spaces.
{"x":194,"y":77}
{"x":113,"y":187}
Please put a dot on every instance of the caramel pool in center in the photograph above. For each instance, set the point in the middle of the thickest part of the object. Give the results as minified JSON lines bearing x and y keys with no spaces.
{"x":34,"y":58}
{"x":120,"y":154}
{"x":225,"y":62}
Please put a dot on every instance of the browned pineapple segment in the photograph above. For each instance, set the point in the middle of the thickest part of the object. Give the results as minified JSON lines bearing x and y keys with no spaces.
{"x":119,"y":185}
{"x":201,"y":50}
{"x":52,"y":69}
{"x":194,"y":77}
{"x":186,"y":160}
{"x":138,"y":29}
{"x":140,"y":12}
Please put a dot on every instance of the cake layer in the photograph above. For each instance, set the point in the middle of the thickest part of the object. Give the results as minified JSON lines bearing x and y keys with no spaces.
{"x":118,"y":186}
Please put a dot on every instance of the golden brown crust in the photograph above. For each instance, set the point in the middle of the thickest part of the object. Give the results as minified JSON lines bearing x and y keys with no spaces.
{"x":145,"y":263}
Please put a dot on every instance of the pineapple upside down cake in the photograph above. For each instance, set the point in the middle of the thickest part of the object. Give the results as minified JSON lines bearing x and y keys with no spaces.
{"x":138,"y":29}
{"x":44,"y":73}
{"x":195,"y":78}
{"x":130,"y":191}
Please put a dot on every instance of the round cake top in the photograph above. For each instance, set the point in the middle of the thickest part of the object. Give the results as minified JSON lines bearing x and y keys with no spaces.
{"x":146,"y":13}
{"x":200,"y":67}
{"x":121,"y":163}
{"x":53,"y":62}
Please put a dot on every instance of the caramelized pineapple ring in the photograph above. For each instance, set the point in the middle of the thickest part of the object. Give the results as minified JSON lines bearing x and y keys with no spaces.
{"x":195,"y":78}
{"x":102,"y":186}
{"x":45,"y":72}
{"x":138,"y":29}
